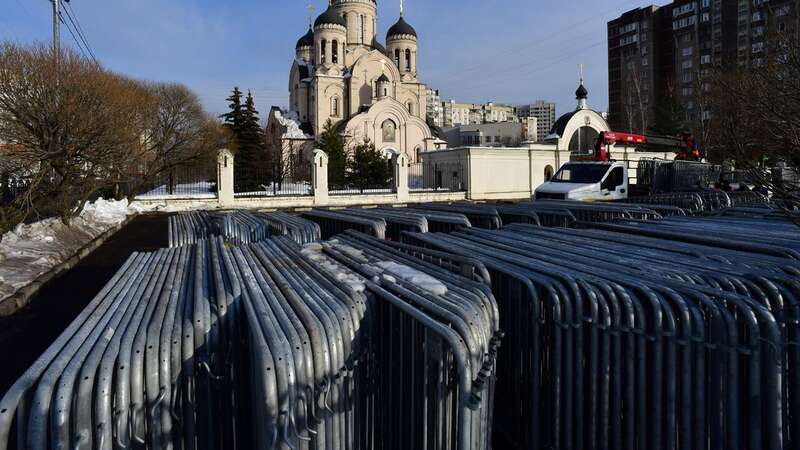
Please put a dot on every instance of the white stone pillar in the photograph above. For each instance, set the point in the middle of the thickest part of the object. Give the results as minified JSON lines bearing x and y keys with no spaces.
{"x":319,"y":174}
{"x":225,"y":162}
{"x":400,"y":167}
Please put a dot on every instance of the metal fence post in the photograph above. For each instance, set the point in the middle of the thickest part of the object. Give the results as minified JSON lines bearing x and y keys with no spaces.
{"x":319,"y":175}
{"x":225,"y":177}
{"x":400,"y":168}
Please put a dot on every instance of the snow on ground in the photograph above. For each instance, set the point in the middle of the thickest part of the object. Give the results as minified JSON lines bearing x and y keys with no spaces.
{"x":200,"y":189}
{"x":30,"y":250}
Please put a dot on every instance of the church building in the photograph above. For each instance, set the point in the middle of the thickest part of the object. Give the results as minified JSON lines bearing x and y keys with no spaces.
{"x":368,"y":91}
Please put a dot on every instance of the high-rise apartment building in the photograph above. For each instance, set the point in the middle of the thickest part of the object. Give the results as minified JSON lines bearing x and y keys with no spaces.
{"x":435,"y":110}
{"x":656,"y":53}
{"x":456,"y":114}
{"x":545,"y":114}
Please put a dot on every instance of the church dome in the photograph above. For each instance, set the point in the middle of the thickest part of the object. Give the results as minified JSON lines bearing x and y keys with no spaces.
{"x":383,"y":78}
{"x":581,"y":93}
{"x":400,"y":28}
{"x":307,"y":40}
{"x":329,"y":17}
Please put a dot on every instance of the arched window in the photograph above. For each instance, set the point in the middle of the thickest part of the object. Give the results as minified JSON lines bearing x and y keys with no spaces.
{"x":397,"y":57}
{"x":335,"y":107}
{"x":410,"y":107}
{"x":335,"y":52}
{"x":323,"y":47}
{"x":385,"y":92}
{"x":417,"y":152}
{"x":389,"y":131}
{"x":408,"y":60}
{"x":548,"y":173}
{"x":362,"y":29}
{"x":583,"y":140}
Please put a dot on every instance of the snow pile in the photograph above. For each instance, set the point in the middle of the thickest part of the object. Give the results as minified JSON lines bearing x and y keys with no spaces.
{"x":414,"y":276}
{"x":291,"y":121}
{"x":30,"y":250}
{"x":314,"y":252}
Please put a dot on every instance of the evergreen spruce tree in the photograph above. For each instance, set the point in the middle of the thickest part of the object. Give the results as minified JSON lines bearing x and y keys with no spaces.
{"x":368,"y":169}
{"x":251,"y":150}
{"x":332,"y":143}
{"x":233,"y":119}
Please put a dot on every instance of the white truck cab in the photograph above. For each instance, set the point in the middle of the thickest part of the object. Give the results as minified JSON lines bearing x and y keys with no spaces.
{"x":587,"y":181}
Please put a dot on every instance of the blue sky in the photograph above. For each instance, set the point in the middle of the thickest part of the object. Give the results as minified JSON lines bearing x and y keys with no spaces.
{"x":509,"y":51}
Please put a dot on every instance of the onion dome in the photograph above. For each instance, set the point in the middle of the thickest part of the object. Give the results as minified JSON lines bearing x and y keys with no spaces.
{"x":329,"y":17}
{"x":307,"y":40}
{"x":383,"y":78}
{"x":400,"y":28}
{"x":581,"y":93}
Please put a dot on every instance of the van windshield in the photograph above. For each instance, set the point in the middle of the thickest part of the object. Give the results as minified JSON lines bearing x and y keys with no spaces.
{"x":581,"y":173}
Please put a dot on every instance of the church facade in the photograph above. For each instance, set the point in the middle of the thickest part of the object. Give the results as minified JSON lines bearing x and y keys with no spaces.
{"x":368,"y":91}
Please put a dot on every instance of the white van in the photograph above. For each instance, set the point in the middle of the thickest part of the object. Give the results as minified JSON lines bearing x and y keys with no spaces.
{"x":587,"y":181}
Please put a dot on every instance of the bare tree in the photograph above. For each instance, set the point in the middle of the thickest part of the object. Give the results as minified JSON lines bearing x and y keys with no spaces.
{"x":757,"y":115}
{"x":176,"y":134}
{"x":72,"y":130}
{"x":69,"y":121}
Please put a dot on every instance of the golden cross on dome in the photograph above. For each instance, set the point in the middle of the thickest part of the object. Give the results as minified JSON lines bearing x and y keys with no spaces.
{"x":580,"y":68}
{"x":401,"y":8}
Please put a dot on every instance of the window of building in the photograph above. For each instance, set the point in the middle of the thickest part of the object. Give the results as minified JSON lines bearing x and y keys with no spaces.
{"x":688,"y":51}
{"x":410,"y":107}
{"x":361,"y":29}
{"x":408,"y":60}
{"x":335,"y":107}
{"x":397,"y":57}
{"x":335,"y":52}
{"x":687,"y":64}
{"x":705,"y":59}
{"x":322,"y":50}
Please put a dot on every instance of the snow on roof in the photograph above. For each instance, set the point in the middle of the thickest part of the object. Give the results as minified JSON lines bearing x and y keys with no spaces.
{"x":291,"y":121}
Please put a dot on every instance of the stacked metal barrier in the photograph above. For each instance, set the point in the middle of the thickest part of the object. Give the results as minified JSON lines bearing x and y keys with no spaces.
{"x":479,"y":215}
{"x":697,"y":202}
{"x":438,"y":222}
{"x":192,"y":227}
{"x":143,"y":366}
{"x":270,"y":345}
{"x":628,"y":340}
{"x":747,"y":198}
{"x":332,"y":223}
{"x":396,"y":222}
{"x":239,"y":227}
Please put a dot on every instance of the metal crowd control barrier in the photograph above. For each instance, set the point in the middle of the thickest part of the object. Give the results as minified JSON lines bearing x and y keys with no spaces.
{"x":143,"y":366}
{"x":481,"y":216}
{"x":192,"y":227}
{"x":239,"y":228}
{"x":332,"y":223}
{"x":631,"y":341}
{"x":395,"y":222}
{"x":438,"y":221}
{"x":270,"y":345}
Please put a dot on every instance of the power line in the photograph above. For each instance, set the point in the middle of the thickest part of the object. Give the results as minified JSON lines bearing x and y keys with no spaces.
{"x":77,"y":41}
{"x":80,"y":36}
{"x":72,"y":15}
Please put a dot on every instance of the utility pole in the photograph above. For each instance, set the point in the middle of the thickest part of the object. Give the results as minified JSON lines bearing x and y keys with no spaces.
{"x":56,"y":28}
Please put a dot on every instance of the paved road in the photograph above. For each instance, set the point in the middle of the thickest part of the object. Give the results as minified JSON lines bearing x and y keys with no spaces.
{"x":28,"y":333}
